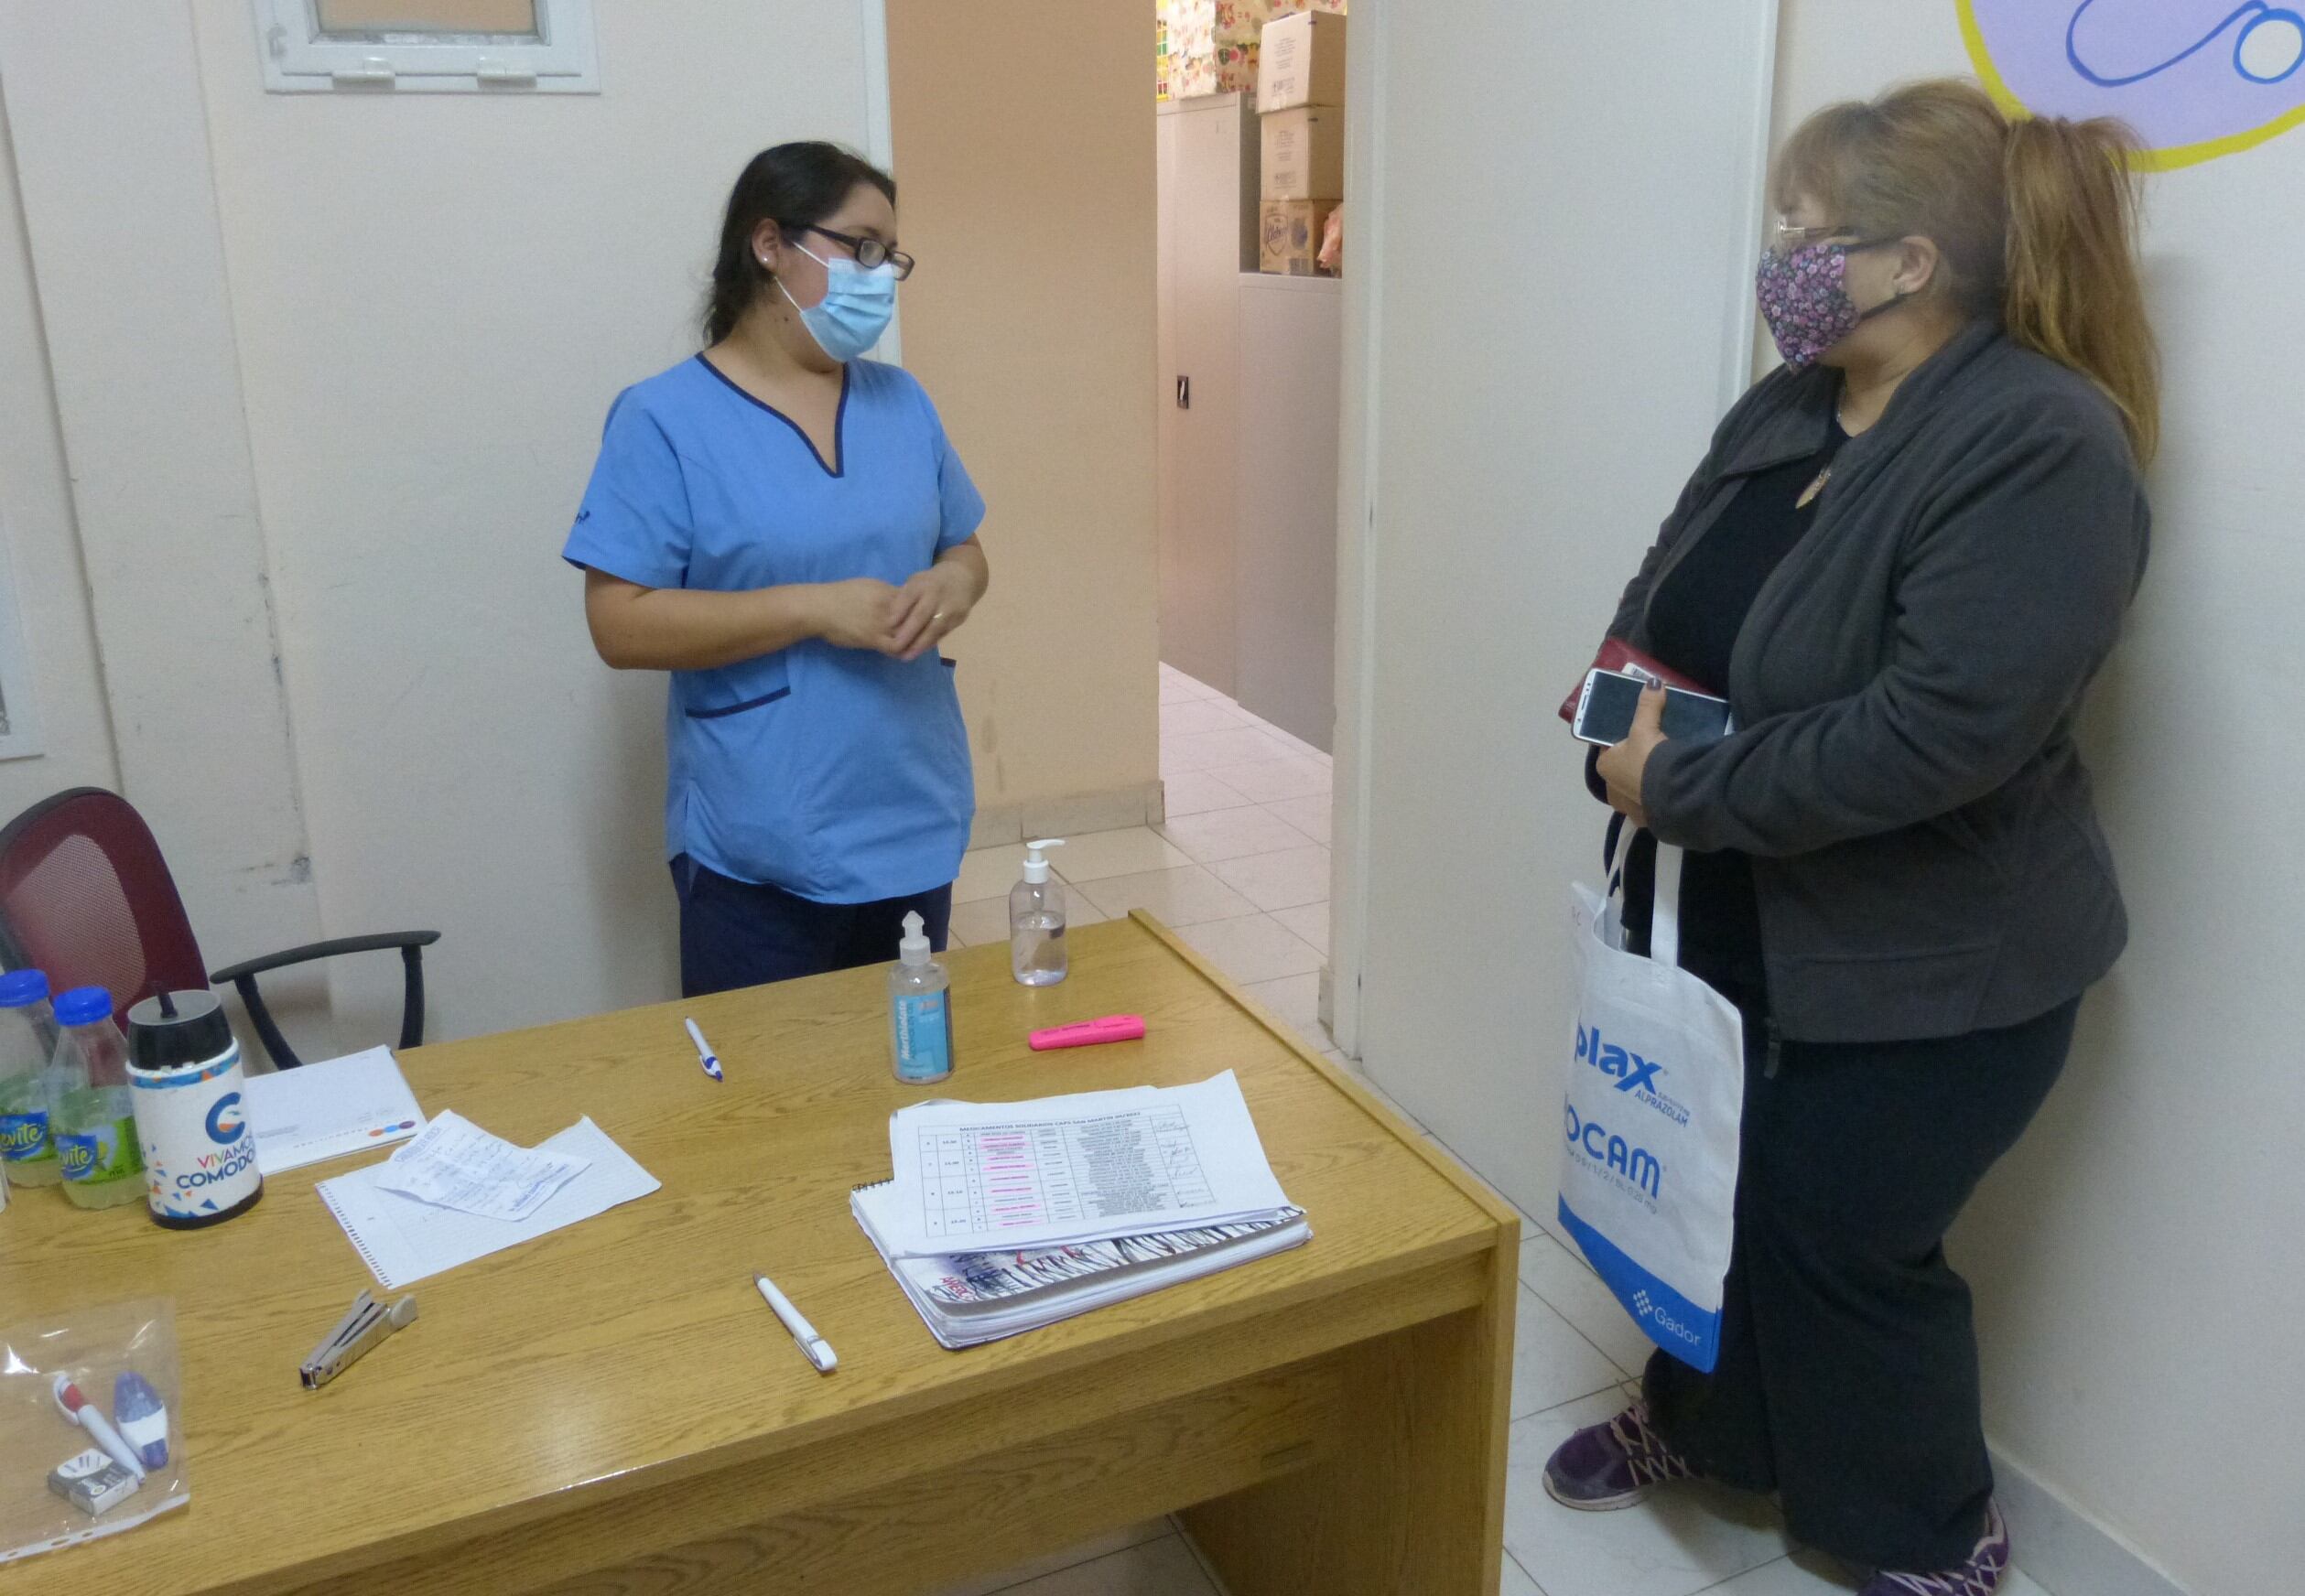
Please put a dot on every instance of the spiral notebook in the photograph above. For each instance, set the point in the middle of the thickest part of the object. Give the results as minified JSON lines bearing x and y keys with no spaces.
{"x":402,"y":1239}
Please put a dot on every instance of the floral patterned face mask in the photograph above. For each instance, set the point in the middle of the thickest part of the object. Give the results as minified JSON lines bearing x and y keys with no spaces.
{"x":1804,"y":297}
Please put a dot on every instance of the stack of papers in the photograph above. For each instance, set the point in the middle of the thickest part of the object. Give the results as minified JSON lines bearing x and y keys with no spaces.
{"x":1006,"y":1216}
{"x":492,"y":1195}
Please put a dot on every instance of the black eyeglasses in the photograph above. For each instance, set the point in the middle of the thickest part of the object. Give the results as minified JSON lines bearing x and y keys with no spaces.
{"x":871,"y":252}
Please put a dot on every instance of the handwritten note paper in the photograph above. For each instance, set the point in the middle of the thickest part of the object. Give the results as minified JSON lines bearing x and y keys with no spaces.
{"x":454,"y":1163}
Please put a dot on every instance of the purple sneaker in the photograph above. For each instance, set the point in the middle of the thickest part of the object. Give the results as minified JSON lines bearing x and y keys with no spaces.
{"x":1980,"y":1576}
{"x":1613,"y":1465}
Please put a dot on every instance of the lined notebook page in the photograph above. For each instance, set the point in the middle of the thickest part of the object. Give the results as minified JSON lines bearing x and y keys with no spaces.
{"x":402,"y":1239}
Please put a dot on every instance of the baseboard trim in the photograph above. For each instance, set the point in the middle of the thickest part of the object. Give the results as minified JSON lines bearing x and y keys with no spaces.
{"x":1118,"y":809}
{"x":2063,"y":1549}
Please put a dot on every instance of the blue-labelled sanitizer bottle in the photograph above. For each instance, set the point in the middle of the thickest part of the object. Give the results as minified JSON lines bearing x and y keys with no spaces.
{"x":920,"y":1011}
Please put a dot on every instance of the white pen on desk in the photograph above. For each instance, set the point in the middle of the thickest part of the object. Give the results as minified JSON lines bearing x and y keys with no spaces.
{"x":814,"y":1347}
{"x":704,"y":1055}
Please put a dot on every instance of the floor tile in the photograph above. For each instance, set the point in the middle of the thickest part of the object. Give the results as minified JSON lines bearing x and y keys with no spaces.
{"x":1681,"y":1541}
{"x":1158,"y":1568}
{"x":1104,"y":1546}
{"x":1181,"y":689}
{"x":1254,"y":948}
{"x":1186,"y":896}
{"x":1802,"y":1574}
{"x":1517,"y":1580}
{"x":1198,"y":792}
{"x":1271,"y":781}
{"x":1577,"y":1294}
{"x":1179,"y":759}
{"x":1295,"y":1001}
{"x":1309,"y":816}
{"x":1232,"y":834}
{"x":1288,"y":880}
{"x":988,"y":873}
{"x":1551,"y":1363}
{"x":1234,"y":745}
{"x":986,"y":920}
{"x":1198,"y":715}
{"x":1308,"y":921}
{"x":1115,"y":853}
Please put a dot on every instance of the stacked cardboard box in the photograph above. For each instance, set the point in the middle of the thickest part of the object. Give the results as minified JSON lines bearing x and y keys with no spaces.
{"x":1301,"y":91}
{"x":1212,"y":46}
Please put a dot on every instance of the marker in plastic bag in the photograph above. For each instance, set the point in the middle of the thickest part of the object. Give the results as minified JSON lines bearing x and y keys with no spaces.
{"x":143,"y":1418}
{"x":79,"y":1410}
{"x":1090,"y":1033}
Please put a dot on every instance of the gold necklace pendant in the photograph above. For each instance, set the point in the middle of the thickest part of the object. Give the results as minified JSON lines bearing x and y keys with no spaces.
{"x":1809,"y":494}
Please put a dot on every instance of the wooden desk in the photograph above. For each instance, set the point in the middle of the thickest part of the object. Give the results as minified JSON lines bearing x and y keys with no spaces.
{"x":612,"y":1410}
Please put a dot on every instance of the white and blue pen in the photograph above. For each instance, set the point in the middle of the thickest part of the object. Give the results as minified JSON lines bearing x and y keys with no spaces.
{"x":704,"y":1055}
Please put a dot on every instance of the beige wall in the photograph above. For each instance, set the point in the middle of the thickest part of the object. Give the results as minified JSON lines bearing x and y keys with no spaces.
{"x":1030,"y":321}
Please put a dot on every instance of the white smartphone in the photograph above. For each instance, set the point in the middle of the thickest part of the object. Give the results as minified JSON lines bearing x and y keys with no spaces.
{"x":1604,"y":711}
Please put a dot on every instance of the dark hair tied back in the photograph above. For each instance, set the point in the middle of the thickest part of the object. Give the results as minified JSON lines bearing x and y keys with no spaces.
{"x":794,"y":185}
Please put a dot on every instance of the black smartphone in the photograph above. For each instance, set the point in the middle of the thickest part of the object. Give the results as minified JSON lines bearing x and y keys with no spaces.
{"x":1604,"y":711}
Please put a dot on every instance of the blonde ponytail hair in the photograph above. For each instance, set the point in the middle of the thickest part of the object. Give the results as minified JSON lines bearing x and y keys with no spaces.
{"x":2035,"y":221}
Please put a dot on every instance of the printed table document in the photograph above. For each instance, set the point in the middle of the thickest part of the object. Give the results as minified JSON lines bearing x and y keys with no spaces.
{"x":973,"y":1176}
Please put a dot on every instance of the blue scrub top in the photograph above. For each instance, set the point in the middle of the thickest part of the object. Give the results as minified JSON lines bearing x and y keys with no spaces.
{"x":837,"y":774}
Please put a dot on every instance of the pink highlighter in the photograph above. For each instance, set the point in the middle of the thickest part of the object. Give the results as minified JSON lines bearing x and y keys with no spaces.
{"x":1090,"y":1033}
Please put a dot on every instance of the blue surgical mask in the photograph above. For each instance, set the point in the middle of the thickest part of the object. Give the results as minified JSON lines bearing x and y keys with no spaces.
{"x":855,"y":309}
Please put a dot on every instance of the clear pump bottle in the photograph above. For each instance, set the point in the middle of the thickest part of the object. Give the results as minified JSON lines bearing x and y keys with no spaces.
{"x":920,"y":1011}
{"x":1037,"y":956}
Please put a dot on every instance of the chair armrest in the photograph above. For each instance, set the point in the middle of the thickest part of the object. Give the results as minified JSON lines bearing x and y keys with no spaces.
{"x":411,"y":945}
{"x":324,"y":950}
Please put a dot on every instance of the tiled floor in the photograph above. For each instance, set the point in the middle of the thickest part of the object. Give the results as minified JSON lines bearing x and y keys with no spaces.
{"x":1241,"y":871}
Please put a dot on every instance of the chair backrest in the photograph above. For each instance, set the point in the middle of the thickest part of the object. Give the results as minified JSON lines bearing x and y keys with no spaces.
{"x":85,"y":896}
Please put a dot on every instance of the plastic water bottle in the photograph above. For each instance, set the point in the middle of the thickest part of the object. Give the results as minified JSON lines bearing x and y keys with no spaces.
{"x":1038,"y":954}
{"x":92,"y":1111}
{"x":27,"y":1048}
{"x":920,"y":1011}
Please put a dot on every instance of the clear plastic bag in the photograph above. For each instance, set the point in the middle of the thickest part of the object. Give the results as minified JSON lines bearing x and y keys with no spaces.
{"x":120,"y":1360}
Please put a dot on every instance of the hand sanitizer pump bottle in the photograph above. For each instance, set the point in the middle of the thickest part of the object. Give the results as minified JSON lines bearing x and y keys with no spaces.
{"x":920,"y":1011}
{"x":1036,"y":921}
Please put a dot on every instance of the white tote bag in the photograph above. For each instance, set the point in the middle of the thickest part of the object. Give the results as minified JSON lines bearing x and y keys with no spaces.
{"x":1656,"y":1092}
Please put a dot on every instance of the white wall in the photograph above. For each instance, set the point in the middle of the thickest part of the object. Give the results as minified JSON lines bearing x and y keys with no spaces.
{"x":335,"y":366}
{"x":2135,"y":1259}
{"x":42,"y":543}
{"x":1545,"y":279}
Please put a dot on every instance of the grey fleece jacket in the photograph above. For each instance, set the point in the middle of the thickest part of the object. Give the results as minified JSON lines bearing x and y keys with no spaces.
{"x":1927,"y":854}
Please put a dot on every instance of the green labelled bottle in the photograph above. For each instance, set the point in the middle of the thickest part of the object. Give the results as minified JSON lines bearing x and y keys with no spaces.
{"x":28,"y":1044}
{"x":92,"y":1115}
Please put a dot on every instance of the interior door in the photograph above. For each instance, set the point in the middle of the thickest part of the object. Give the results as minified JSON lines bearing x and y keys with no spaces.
{"x":1564,"y":287}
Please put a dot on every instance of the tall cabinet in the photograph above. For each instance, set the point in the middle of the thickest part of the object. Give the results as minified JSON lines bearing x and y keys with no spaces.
{"x":1208,"y":238}
{"x":1284,"y":542}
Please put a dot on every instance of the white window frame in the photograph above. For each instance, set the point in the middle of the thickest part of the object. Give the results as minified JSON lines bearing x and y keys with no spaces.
{"x":299,"y":59}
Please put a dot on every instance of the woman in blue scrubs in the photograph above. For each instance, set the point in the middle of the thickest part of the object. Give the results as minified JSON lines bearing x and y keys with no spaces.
{"x":783,"y":526}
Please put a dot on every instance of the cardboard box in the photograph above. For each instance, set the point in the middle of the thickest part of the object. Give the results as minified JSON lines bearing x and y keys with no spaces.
{"x":1289,"y":235}
{"x":1304,"y":155}
{"x":1304,"y":63}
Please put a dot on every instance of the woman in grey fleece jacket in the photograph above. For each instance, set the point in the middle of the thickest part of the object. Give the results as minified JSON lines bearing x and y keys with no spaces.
{"x":1904,"y":559}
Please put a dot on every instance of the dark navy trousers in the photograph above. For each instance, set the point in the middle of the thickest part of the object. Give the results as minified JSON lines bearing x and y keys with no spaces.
{"x":736,"y":933}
